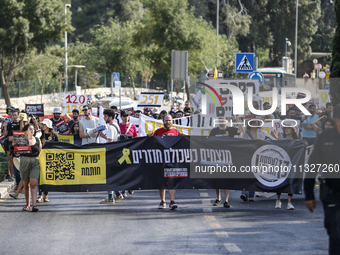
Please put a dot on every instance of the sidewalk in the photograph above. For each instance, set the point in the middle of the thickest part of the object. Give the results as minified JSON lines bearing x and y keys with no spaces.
{"x":5,"y":188}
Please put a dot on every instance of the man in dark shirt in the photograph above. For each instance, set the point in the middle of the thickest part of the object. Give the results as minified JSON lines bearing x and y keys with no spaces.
{"x":187,"y":109}
{"x":8,"y":131}
{"x":223,"y":130}
{"x":326,"y":153}
{"x":75,"y":113}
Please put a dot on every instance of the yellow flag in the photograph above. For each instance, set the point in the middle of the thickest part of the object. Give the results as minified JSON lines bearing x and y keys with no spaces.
{"x":215,"y":73}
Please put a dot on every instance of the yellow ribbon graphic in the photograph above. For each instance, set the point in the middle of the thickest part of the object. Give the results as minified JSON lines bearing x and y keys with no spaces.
{"x":323,"y":97}
{"x":125,"y":157}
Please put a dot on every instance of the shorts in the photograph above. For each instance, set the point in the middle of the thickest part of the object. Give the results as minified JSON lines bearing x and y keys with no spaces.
{"x":29,"y":168}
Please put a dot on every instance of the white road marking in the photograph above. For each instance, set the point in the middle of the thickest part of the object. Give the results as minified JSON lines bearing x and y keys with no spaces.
{"x":231,"y":247}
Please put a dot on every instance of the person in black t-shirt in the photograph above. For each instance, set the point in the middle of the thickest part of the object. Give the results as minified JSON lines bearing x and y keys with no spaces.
{"x":48,"y":134}
{"x":75,"y":132}
{"x":187,"y":109}
{"x":223,"y":130}
{"x":8,"y":131}
{"x":75,"y":113}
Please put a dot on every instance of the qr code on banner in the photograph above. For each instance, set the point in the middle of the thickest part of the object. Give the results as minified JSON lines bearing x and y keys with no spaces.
{"x":60,"y":166}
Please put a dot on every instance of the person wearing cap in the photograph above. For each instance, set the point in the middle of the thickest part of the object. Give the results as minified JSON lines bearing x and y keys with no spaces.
{"x":126,"y":127}
{"x":10,"y":110}
{"x":179,"y":114}
{"x":172,"y":113}
{"x":89,"y":122}
{"x":58,"y":123}
{"x":48,"y":134}
{"x":155,"y":112}
{"x":187,"y":109}
{"x":147,"y":111}
{"x":162,"y":114}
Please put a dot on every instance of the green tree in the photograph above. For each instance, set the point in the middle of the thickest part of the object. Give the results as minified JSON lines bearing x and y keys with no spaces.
{"x":89,"y":13}
{"x":335,"y":64}
{"x":26,"y":25}
{"x":43,"y":66}
{"x":322,"y":40}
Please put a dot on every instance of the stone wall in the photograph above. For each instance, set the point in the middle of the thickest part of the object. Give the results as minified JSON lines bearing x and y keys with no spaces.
{"x":51,"y":101}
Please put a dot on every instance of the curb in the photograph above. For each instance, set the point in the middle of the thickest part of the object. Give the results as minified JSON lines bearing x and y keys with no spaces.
{"x":5,"y":188}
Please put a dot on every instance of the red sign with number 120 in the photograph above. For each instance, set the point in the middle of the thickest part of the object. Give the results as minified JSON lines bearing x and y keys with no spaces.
{"x":72,"y":102}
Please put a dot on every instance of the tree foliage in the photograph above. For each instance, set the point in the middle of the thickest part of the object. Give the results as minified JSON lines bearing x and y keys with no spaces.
{"x":335,"y":65}
{"x":26,"y":25}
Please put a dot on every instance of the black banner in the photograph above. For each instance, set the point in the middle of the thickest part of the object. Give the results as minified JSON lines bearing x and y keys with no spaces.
{"x":189,"y":162}
{"x":35,"y":109}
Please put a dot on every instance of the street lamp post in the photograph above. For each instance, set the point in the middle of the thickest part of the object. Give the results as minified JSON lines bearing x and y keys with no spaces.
{"x":217,"y":24}
{"x":67,"y":6}
{"x":296,"y":30}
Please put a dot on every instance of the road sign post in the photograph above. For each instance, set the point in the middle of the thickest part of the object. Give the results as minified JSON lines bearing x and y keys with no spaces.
{"x":244,"y":62}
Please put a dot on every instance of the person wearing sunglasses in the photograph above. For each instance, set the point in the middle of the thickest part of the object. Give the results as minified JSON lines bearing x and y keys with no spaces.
{"x":88,"y":122}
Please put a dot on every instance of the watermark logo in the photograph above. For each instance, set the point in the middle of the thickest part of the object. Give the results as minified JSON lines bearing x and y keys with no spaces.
{"x":271,"y":165}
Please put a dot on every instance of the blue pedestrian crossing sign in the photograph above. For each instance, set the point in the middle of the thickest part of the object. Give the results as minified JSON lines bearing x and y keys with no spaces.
{"x":115,"y":76}
{"x":244,"y":62}
{"x":256,"y":76}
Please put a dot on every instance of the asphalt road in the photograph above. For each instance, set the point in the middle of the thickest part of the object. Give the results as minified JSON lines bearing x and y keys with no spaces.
{"x":75,"y":223}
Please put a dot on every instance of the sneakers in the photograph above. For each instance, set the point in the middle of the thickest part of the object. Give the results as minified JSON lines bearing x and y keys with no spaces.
{"x":173,"y":205}
{"x":217,"y":202}
{"x":226,"y":204}
{"x":162,"y":205}
{"x":244,"y":197}
{"x":108,"y":201}
{"x":124,"y":193}
{"x":119,"y":195}
{"x":290,"y":206}
{"x":278,"y":204}
{"x":40,"y":199}
{"x":131,"y":192}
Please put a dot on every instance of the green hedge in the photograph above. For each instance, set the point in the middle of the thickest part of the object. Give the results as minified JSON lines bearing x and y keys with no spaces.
{"x":3,"y":166}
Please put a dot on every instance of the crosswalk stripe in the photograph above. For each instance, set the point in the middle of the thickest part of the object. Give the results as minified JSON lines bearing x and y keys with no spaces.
{"x":231,"y":247}
{"x":207,"y":217}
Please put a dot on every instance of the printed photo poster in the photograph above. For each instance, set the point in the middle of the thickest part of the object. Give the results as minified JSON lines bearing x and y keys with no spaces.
{"x":35,"y":109}
{"x":21,"y":143}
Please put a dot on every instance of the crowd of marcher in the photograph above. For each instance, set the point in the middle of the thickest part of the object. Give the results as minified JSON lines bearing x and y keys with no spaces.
{"x":26,"y":173}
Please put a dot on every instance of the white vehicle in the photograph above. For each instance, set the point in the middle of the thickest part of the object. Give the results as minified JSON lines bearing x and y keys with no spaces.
{"x":127,"y":103}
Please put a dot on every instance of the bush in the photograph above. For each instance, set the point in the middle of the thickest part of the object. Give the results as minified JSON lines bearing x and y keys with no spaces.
{"x":3,"y":166}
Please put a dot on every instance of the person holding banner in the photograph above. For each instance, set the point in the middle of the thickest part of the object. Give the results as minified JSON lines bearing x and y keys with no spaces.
{"x":88,"y":122}
{"x":113,"y":133}
{"x":30,"y":168}
{"x":253,"y":131}
{"x":289,"y":133}
{"x":167,"y":130}
{"x":48,"y":134}
{"x":75,"y":132}
{"x":58,"y":123}
{"x":127,"y":128}
{"x":223,"y":130}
